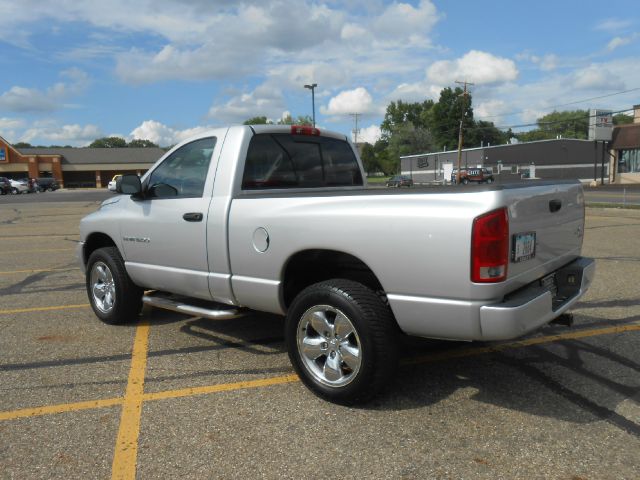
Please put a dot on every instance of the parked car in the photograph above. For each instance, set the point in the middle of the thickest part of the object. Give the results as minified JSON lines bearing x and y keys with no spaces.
{"x":5,"y":186}
{"x":112,"y":184}
{"x":47,"y":184}
{"x":400,"y":181}
{"x":478,"y":175}
{"x":19,"y":186}
{"x":250,"y":217}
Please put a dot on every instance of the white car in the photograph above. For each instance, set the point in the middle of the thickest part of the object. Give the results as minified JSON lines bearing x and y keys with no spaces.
{"x":112,"y":184}
{"x":18,"y":187}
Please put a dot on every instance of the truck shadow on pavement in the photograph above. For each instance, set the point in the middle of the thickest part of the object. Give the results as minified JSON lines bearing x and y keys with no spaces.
{"x":579,"y":381}
{"x":574,"y":380}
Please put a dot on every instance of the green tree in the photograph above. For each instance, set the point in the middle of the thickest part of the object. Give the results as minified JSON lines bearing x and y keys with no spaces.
{"x":567,"y":124}
{"x":261,"y":120}
{"x":300,"y":120}
{"x":399,"y":113}
{"x":369,"y":159}
{"x":22,"y":145}
{"x":407,"y":139}
{"x":140,"y":143}
{"x":485,"y":133}
{"x":445,"y":118}
{"x":622,"y":119}
{"x":109,"y":142}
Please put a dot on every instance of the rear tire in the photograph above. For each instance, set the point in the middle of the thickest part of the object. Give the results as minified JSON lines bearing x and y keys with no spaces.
{"x":115,"y":299}
{"x":342,"y":341}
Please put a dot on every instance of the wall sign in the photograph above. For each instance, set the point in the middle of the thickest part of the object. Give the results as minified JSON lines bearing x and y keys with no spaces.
{"x":3,"y":154}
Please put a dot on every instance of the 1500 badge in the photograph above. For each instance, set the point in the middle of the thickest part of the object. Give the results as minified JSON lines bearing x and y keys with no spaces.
{"x":137,"y":239}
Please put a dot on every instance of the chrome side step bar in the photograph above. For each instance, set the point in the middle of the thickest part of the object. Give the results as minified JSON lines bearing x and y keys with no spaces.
{"x":179,"y":305}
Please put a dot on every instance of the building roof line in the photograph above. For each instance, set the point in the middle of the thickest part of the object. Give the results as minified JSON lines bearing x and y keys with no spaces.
{"x":11,"y":147}
{"x":497,"y":146}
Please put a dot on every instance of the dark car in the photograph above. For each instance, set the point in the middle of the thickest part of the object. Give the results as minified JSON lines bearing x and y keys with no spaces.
{"x":478,"y":175}
{"x":47,"y":183}
{"x":400,"y":181}
{"x":5,"y":186}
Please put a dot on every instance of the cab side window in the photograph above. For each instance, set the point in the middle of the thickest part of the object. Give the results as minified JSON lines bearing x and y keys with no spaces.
{"x":183,"y":173}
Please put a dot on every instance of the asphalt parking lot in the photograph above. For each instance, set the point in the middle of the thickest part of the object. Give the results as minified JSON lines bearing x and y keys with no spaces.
{"x":174,"y":396}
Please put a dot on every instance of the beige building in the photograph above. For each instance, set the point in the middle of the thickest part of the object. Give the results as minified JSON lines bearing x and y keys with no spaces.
{"x":75,"y":167}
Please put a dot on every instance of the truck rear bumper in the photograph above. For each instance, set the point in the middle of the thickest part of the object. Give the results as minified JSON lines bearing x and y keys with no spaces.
{"x":531,"y":308}
{"x":518,"y":314}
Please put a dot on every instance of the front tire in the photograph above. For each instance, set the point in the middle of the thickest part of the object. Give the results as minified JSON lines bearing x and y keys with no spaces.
{"x":115,"y":299}
{"x":342,"y":341}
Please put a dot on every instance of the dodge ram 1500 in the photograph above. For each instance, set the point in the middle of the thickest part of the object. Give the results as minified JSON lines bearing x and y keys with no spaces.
{"x":280,"y":219}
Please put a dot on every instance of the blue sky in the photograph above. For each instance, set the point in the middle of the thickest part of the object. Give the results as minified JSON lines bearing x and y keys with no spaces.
{"x":166,"y":69}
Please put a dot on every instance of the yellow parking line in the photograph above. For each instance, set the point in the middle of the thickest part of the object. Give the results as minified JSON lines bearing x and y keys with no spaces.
{"x":224,"y":387}
{"x":11,"y":272}
{"x":228,"y":387}
{"x":473,"y":351}
{"x":124,"y":460}
{"x":43,"y":250}
{"x":31,"y":237}
{"x":42,"y":309}
{"x":61,"y":408}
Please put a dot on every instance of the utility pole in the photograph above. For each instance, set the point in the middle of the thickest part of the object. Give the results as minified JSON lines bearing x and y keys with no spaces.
{"x":312,"y":87}
{"x":464,"y":105}
{"x":356,"y":130}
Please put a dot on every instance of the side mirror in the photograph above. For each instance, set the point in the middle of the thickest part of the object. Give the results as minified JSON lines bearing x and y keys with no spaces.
{"x":129,"y":184}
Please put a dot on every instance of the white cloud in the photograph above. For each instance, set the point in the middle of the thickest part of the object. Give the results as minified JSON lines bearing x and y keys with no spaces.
{"x":490,"y":108}
{"x":598,"y":77}
{"x":475,"y":66}
{"x":617,"y":42}
{"x":24,"y":99}
{"x":238,"y":41}
{"x":402,"y":23}
{"x":10,"y":123}
{"x":162,"y":134}
{"x":51,"y":132}
{"x":350,"y":101}
{"x":264,"y":100}
{"x":370,"y":134}
{"x":613,"y":24}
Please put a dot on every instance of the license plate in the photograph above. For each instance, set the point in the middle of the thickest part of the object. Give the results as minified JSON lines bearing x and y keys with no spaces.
{"x":524,"y":247}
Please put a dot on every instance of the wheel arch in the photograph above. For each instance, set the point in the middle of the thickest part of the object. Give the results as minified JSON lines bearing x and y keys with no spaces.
{"x":95,"y":241}
{"x":307,"y":267}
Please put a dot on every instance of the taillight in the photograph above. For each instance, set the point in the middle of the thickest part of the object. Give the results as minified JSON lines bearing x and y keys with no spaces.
{"x":304,"y":130}
{"x":490,"y":247}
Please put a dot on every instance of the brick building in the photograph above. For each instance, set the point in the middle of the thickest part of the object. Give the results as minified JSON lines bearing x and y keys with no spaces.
{"x":75,"y":167}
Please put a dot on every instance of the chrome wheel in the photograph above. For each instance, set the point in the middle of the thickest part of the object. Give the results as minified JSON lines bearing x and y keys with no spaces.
{"x":103,"y":288}
{"x":329,"y":346}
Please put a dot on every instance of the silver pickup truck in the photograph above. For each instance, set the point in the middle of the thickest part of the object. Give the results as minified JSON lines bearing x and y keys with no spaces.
{"x":280,"y":219}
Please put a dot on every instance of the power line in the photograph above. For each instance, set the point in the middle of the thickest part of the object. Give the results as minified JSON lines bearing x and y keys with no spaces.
{"x":566,"y":104}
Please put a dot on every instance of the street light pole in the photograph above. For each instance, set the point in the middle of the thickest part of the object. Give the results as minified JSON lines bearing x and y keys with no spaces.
{"x":312,"y":87}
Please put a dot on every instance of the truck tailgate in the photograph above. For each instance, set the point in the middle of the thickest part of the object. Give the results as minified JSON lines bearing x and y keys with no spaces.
{"x":546,"y":228}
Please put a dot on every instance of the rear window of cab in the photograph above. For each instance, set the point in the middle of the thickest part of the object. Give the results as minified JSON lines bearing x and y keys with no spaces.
{"x":281,"y":160}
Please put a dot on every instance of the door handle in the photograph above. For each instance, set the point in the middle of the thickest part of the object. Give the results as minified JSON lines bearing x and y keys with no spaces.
{"x":193,"y":217}
{"x":555,"y":205}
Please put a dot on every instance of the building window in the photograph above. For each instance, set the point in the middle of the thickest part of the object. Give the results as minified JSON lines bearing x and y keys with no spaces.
{"x":629,"y":161}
